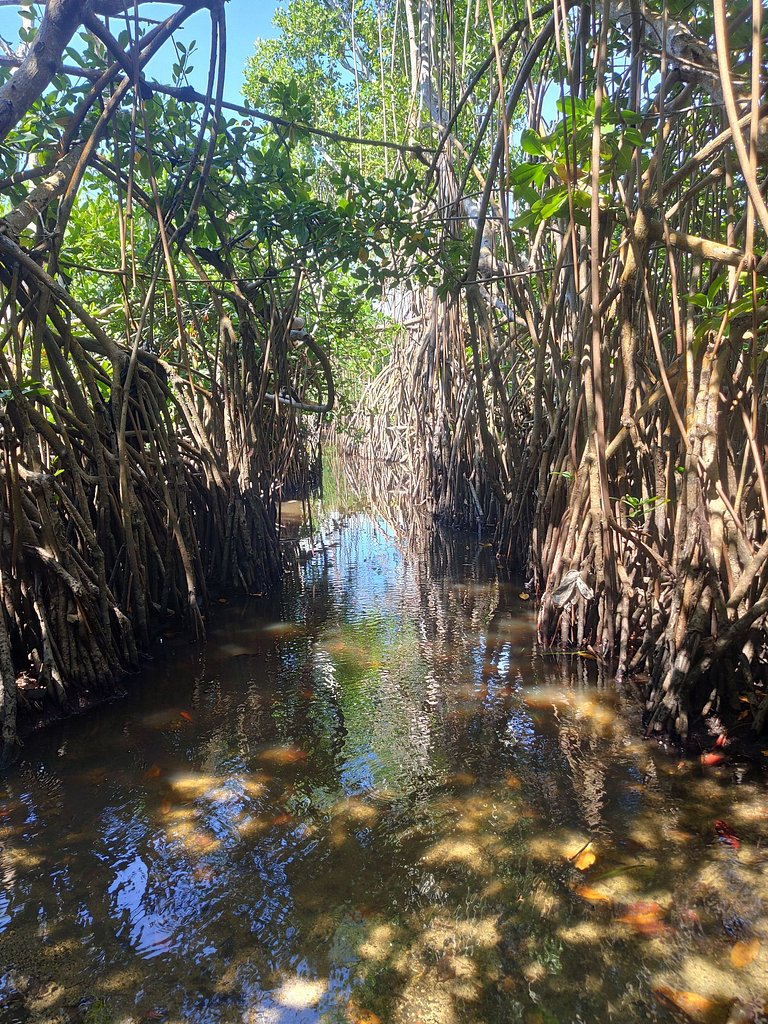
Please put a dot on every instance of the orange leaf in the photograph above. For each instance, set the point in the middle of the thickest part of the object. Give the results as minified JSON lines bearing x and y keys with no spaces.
{"x":585,"y":858}
{"x":361,"y":1016}
{"x":698,"y":1008}
{"x":185,"y":715}
{"x":743,"y":953}
{"x":645,"y":918}
{"x":593,"y":895}
{"x":712,"y":758}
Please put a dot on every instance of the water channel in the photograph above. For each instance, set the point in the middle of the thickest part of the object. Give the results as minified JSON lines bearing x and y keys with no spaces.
{"x":373,"y":800}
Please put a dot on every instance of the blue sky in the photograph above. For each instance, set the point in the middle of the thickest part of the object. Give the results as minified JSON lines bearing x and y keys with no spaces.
{"x":246,"y":21}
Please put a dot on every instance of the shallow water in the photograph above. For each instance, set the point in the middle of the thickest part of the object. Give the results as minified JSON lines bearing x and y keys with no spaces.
{"x":371,"y":800}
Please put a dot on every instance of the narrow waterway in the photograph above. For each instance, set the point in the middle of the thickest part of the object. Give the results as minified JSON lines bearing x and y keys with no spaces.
{"x":373,"y":800}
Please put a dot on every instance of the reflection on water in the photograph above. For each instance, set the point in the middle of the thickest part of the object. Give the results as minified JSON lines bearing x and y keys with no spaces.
{"x":374,"y":801}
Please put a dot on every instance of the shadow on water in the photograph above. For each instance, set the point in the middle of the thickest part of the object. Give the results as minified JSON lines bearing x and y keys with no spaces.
{"x":376,"y":801}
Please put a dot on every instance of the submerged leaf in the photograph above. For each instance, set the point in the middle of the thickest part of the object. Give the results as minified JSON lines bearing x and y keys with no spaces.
{"x":693,"y":1005}
{"x":712,"y":758}
{"x":645,"y":918}
{"x":743,"y":953}
{"x":726,"y":834}
{"x":593,"y":895}
{"x":585,"y":859}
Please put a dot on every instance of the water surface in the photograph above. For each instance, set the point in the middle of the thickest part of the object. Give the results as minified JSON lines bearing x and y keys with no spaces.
{"x":371,"y":800}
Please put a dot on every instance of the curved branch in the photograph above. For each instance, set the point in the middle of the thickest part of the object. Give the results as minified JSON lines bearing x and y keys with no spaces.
{"x":325,"y":363}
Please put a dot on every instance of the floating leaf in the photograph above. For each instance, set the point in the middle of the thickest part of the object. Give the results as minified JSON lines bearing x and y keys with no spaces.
{"x":524,"y":597}
{"x":185,"y":715}
{"x":743,"y":953}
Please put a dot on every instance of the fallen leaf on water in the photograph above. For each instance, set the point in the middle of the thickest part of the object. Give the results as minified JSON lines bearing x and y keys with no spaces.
{"x":593,"y":895}
{"x":743,"y":953}
{"x":585,"y":858}
{"x":712,"y":758}
{"x":645,"y":918}
{"x":154,"y":772}
{"x":185,"y":715}
{"x":524,"y":597}
{"x":726,"y":834}
{"x":693,"y":1005}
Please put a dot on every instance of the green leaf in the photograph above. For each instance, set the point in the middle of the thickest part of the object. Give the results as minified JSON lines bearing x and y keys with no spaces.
{"x":531,"y":143}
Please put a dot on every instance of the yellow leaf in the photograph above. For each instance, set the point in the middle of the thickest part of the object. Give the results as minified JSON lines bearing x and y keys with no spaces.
{"x":524,"y":597}
{"x":585,"y":858}
{"x":744,"y":953}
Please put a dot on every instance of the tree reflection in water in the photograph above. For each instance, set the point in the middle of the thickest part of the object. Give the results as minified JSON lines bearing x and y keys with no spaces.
{"x":375,"y":799}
